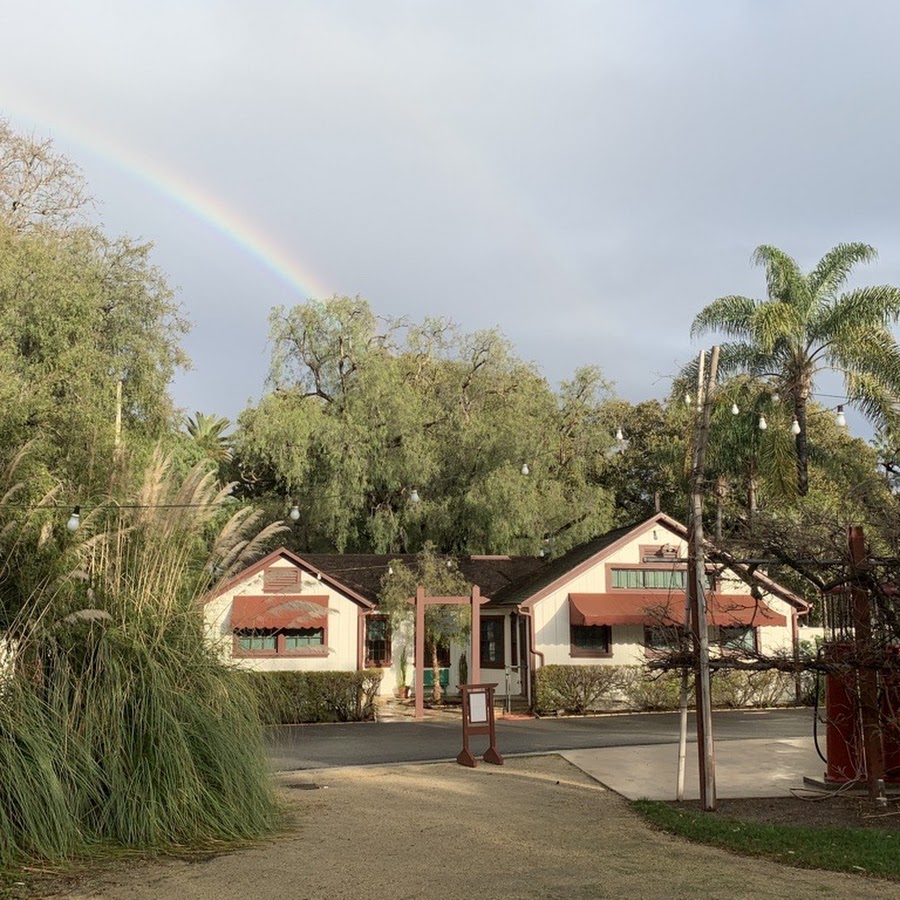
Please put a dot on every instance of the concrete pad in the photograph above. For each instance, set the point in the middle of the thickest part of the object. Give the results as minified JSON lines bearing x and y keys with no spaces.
{"x":755,"y":768}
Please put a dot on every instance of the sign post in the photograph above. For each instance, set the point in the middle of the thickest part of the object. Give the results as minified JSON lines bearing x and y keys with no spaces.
{"x":478,"y":718}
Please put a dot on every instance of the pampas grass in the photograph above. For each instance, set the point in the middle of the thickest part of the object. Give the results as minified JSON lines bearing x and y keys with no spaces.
{"x":117,"y":723}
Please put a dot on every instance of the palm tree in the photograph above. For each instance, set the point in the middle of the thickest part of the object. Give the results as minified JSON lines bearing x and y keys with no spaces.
{"x":207,"y":432}
{"x":807,"y":325}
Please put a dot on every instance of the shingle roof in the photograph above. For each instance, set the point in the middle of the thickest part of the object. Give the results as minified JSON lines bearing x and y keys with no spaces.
{"x":531,"y":583}
{"x":363,"y":571}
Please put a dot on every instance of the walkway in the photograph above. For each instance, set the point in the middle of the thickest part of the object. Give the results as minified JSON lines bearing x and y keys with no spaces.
{"x":537,"y":828}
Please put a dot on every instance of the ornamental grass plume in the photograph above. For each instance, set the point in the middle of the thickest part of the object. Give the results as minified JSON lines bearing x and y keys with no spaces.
{"x":118,"y":725}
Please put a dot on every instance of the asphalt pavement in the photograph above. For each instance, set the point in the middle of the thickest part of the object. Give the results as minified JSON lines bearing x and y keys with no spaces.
{"x":759,"y":753}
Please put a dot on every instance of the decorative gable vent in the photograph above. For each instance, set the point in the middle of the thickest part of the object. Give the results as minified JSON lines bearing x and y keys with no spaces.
{"x":280,"y":578}
{"x":662,"y":553}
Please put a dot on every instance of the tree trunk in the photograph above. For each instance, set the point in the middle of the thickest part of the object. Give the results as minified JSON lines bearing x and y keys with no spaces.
{"x":800,"y":441}
{"x":721,"y":491}
{"x":436,"y":693}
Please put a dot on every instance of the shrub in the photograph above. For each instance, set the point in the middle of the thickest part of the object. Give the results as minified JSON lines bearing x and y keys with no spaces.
{"x":644,"y":689}
{"x":576,"y":689}
{"x":734,"y":689}
{"x":288,"y":698}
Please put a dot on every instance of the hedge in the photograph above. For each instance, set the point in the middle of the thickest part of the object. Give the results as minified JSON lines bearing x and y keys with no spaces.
{"x":580,"y":689}
{"x":290,"y":698}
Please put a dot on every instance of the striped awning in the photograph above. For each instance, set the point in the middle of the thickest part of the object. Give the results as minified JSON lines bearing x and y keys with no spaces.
{"x":648,"y":608}
{"x":280,"y":611}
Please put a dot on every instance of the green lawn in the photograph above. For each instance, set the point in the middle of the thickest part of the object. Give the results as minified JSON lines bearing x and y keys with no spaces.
{"x":856,"y":850}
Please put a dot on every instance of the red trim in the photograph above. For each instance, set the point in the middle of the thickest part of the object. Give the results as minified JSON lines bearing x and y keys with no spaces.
{"x":285,"y":554}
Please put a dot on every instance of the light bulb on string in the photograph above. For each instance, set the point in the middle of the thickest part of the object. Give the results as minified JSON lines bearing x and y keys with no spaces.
{"x":763,"y":425}
{"x":525,"y":469}
{"x":839,"y":418}
{"x":414,"y":496}
{"x":74,"y":519}
{"x":735,"y":409}
{"x":795,"y":426}
{"x":619,"y":436}
{"x":295,"y":512}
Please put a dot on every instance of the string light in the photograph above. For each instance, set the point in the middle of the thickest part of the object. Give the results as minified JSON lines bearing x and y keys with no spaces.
{"x":619,"y":436}
{"x":74,"y":519}
{"x":414,"y":496}
{"x":839,"y":418}
{"x":795,"y":426}
{"x":525,"y":469}
{"x":295,"y":512}
{"x":763,"y":425}
{"x":735,"y":409}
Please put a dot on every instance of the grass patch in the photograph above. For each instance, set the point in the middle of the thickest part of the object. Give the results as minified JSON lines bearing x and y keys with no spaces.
{"x":854,"y":850}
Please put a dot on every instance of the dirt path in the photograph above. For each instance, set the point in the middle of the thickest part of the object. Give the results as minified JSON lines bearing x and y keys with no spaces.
{"x":534,"y":828}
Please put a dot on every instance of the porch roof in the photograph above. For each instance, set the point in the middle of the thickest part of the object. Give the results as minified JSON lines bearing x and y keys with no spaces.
{"x":648,"y":608}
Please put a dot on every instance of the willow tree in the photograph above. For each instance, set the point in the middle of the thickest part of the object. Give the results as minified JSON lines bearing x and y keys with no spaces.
{"x":808,"y":323}
{"x":366,"y":410}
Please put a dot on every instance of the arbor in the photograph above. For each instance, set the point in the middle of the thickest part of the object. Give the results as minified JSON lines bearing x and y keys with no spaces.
{"x":806,"y":324}
{"x":444,"y":623}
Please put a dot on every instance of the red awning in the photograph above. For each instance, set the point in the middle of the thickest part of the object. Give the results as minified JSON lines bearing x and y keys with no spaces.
{"x":280,"y":611}
{"x":648,"y":608}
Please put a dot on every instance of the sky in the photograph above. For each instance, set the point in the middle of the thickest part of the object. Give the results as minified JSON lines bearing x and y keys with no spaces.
{"x":586,"y":176}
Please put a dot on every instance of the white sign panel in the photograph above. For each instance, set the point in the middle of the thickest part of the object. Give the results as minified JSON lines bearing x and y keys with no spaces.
{"x":478,"y":706}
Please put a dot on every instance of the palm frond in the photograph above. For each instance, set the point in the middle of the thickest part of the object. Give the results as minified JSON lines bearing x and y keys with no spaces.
{"x":729,"y":315}
{"x":831,"y":272}
{"x":784,"y":279}
{"x":873,"y":399}
{"x":868,"y":307}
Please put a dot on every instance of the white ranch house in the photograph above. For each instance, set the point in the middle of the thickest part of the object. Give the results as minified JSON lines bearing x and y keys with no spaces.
{"x":607,"y":602}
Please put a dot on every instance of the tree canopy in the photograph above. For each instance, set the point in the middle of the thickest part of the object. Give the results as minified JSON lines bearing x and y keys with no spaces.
{"x":364,"y":411}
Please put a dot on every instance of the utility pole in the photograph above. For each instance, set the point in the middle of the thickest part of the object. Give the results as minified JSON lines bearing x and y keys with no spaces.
{"x":696,"y":587}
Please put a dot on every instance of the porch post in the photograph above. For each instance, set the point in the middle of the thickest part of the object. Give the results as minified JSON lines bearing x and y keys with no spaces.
{"x":475,"y":667}
{"x":420,"y":652}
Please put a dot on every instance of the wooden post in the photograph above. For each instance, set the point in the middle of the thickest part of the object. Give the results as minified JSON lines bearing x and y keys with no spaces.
{"x":420,"y":652}
{"x":865,"y":660}
{"x":475,"y":662}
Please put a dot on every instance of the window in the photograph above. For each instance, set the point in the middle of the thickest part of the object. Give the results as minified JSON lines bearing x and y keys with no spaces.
{"x":662,"y":637}
{"x":378,"y":642}
{"x":590,"y":640}
{"x":737,"y":638}
{"x":656,"y":579}
{"x":493,"y":651}
{"x":280,"y":642}
{"x":256,"y":642}
{"x":649,"y":579}
{"x":301,"y":638}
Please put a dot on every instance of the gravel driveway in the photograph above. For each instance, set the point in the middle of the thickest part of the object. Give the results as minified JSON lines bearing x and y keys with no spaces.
{"x":534,"y":828}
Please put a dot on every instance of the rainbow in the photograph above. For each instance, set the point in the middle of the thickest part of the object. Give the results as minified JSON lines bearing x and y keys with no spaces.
{"x":231,"y":223}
